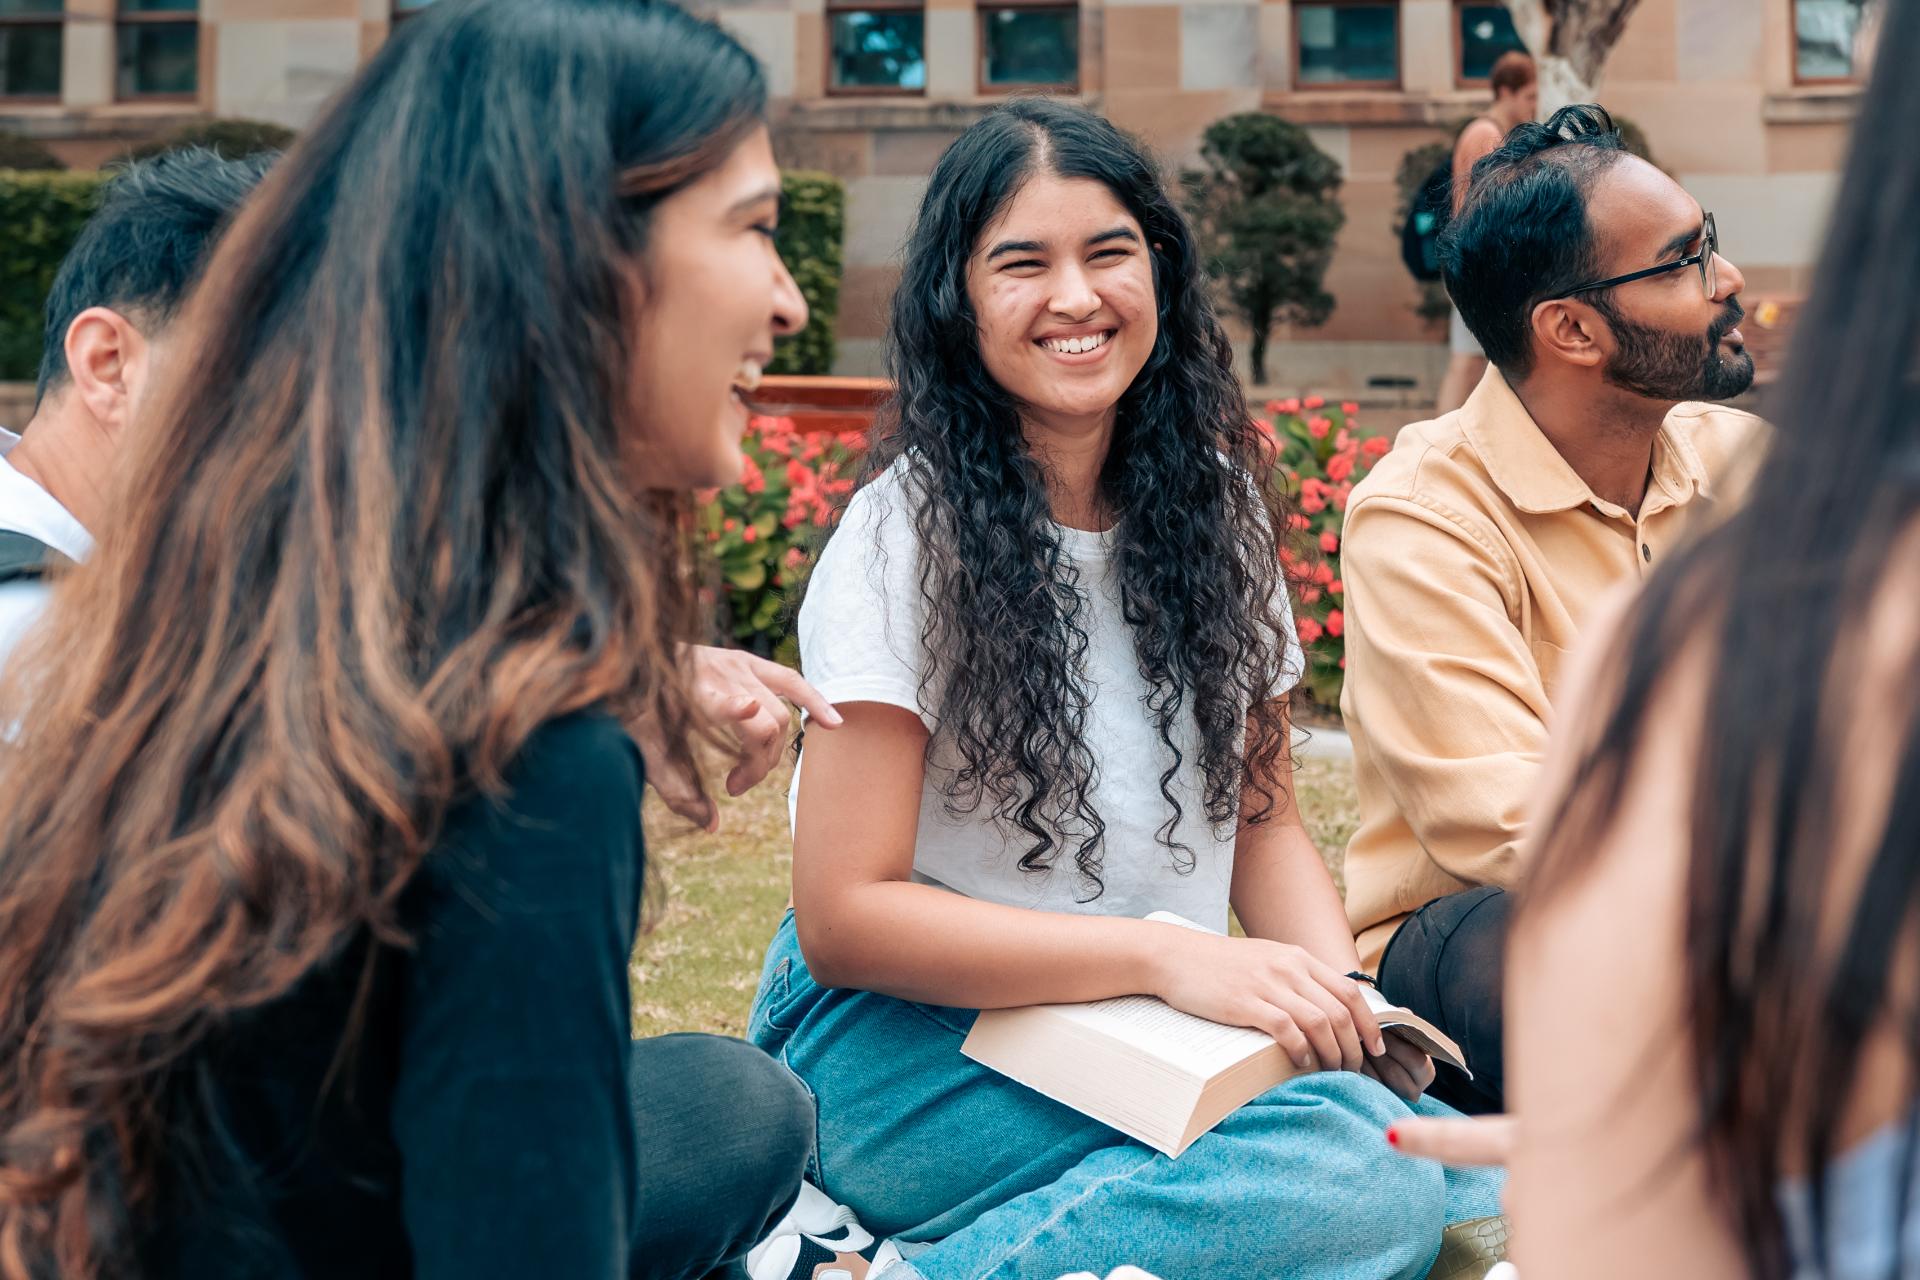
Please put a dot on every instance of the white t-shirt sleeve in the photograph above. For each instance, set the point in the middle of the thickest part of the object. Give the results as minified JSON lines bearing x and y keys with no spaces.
{"x":1293,"y":661}
{"x":860,"y":626}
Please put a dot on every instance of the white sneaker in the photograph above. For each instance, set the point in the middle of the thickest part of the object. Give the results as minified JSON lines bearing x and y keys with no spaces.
{"x":815,"y":1231}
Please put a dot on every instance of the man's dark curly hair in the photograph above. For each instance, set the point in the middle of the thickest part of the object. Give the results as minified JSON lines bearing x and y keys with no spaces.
{"x":1523,"y":235}
{"x":1186,"y":480}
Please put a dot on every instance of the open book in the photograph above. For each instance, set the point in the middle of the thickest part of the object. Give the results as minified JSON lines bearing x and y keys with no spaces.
{"x":1150,"y":1070}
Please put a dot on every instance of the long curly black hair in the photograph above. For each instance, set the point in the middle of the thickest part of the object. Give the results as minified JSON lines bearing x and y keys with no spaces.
{"x":1186,"y":480}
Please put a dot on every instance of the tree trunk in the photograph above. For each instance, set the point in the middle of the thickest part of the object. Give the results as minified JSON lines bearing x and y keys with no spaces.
{"x":1570,"y":40}
{"x":1257,"y":349}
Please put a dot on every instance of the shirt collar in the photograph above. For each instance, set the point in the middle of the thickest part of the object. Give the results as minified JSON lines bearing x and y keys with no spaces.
{"x":1530,"y":471}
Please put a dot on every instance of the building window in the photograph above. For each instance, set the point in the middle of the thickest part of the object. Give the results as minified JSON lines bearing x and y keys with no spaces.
{"x":1824,"y":32}
{"x":1029,"y":46}
{"x":877,"y":47}
{"x":30,"y":40}
{"x":159,"y":49}
{"x":1346,"y":44}
{"x":1484,"y":32}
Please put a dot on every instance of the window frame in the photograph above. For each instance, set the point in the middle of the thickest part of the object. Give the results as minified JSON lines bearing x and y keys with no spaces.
{"x":834,"y":7}
{"x":56,"y":19}
{"x":1460,"y":80}
{"x":122,"y":20}
{"x":983,"y":9}
{"x":1793,"y":55}
{"x":1302,"y":85}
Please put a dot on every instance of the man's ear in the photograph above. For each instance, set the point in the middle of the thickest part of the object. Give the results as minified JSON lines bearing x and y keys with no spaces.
{"x":1571,"y":332}
{"x":106,"y":358}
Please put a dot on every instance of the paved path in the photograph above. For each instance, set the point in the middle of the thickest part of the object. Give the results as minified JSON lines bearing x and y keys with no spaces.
{"x":1322,"y":744}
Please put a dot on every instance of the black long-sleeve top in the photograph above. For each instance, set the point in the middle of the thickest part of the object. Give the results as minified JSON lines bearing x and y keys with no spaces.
{"x":481,"y":1126}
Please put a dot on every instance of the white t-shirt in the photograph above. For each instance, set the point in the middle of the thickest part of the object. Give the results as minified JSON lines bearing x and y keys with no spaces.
{"x":860,"y":630}
{"x":27,"y":508}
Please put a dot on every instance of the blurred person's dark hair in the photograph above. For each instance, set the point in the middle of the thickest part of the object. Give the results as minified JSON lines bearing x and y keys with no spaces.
{"x":1787,"y":973}
{"x":144,"y":246}
{"x":1523,"y":235}
{"x":1512,"y":71}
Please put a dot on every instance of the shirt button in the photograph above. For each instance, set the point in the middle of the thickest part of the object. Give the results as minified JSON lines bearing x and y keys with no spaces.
{"x":1646,"y":553}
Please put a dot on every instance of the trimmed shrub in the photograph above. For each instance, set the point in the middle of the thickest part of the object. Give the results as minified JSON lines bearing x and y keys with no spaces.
{"x":232,"y":139}
{"x":20,"y":152}
{"x":43,"y":214}
{"x":1320,"y":455}
{"x":758,"y":533}
{"x":813,"y":220}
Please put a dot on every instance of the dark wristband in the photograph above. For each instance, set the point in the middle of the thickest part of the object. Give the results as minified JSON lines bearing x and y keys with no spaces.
{"x":1367,"y":978}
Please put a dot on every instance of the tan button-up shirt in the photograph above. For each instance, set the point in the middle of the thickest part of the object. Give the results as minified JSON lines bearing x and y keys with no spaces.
{"x":1471,"y":557}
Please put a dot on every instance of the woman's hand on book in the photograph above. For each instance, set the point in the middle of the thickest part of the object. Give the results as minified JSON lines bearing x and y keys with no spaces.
{"x":1402,"y":1068}
{"x":1316,"y":1014}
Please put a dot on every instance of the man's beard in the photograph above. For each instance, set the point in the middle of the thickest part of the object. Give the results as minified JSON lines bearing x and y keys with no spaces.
{"x":1673,"y":366}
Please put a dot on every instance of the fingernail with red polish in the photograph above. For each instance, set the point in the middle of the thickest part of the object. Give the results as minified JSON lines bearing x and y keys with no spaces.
{"x":1393,"y":1137}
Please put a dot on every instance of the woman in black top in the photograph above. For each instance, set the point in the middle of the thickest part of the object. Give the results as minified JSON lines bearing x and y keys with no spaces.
{"x":320,"y":850}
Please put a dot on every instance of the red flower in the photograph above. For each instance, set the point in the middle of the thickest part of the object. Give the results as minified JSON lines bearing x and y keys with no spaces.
{"x":1349,"y":408}
{"x":1336,"y":623}
{"x":749,"y":534}
{"x":1343,"y":441}
{"x":1337,"y":587}
{"x":729,"y":524}
{"x":794,"y":558}
{"x":1274,"y":406}
{"x":1285,"y":406}
{"x":1307,"y":629}
{"x":1339,"y":466}
{"x":1309,"y":595}
{"x":1329,"y":542}
{"x":1343,"y":664}
{"x":1313,"y":402}
{"x":1340,"y":496}
{"x":1322,"y":574}
{"x":1375,"y":447}
{"x":1298,"y":522}
{"x":1318,"y":427}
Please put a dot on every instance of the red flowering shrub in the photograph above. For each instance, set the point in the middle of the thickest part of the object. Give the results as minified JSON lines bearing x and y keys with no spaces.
{"x":1321,"y":456}
{"x":758,"y":533}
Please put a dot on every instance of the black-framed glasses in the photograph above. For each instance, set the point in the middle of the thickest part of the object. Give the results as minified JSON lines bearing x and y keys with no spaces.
{"x":1709,"y":250}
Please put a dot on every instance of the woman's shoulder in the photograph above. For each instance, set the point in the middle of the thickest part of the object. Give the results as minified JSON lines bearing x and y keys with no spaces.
{"x":578,"y":778}
{"x":589,"y":746}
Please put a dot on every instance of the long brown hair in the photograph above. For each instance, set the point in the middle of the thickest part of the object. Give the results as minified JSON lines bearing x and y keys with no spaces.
{"x":381,"y":525}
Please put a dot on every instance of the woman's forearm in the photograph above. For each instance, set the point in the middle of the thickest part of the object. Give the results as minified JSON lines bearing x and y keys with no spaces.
{"x":1283,"y":892}
{"x":920,"y":943}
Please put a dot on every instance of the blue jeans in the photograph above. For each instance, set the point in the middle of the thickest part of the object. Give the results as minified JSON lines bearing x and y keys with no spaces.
{"x":999,"y":1181}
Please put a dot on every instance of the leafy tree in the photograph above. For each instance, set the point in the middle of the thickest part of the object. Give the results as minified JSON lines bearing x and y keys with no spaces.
{"x":1265,"y":208}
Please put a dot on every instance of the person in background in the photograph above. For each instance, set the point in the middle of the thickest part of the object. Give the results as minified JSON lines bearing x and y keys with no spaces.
{"x":108,"y":327}
{"x":1474,"y":553}
{"x":1516,"y":101}
{"x":320,"y":847}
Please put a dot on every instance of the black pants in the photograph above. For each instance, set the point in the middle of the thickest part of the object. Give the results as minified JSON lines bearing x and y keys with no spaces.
{"x":1446,"y":963}
{"x":725,"y":1132}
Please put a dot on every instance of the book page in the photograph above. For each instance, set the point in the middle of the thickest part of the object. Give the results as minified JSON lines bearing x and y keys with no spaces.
{"x":1151,"y":1024}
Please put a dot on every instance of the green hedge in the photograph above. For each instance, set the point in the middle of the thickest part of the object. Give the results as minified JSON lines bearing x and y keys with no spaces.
{"x":40,"y":216}
{"x":813,"y":223}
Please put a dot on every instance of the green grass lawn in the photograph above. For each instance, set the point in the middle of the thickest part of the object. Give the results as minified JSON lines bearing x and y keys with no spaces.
{"x":723,"y":894}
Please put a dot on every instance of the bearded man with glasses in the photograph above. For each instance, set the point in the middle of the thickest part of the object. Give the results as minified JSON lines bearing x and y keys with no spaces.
{"x":1477,"y":549}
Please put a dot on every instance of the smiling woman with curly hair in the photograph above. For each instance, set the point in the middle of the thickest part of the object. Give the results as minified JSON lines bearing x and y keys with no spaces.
{"x":1054,"y":621}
